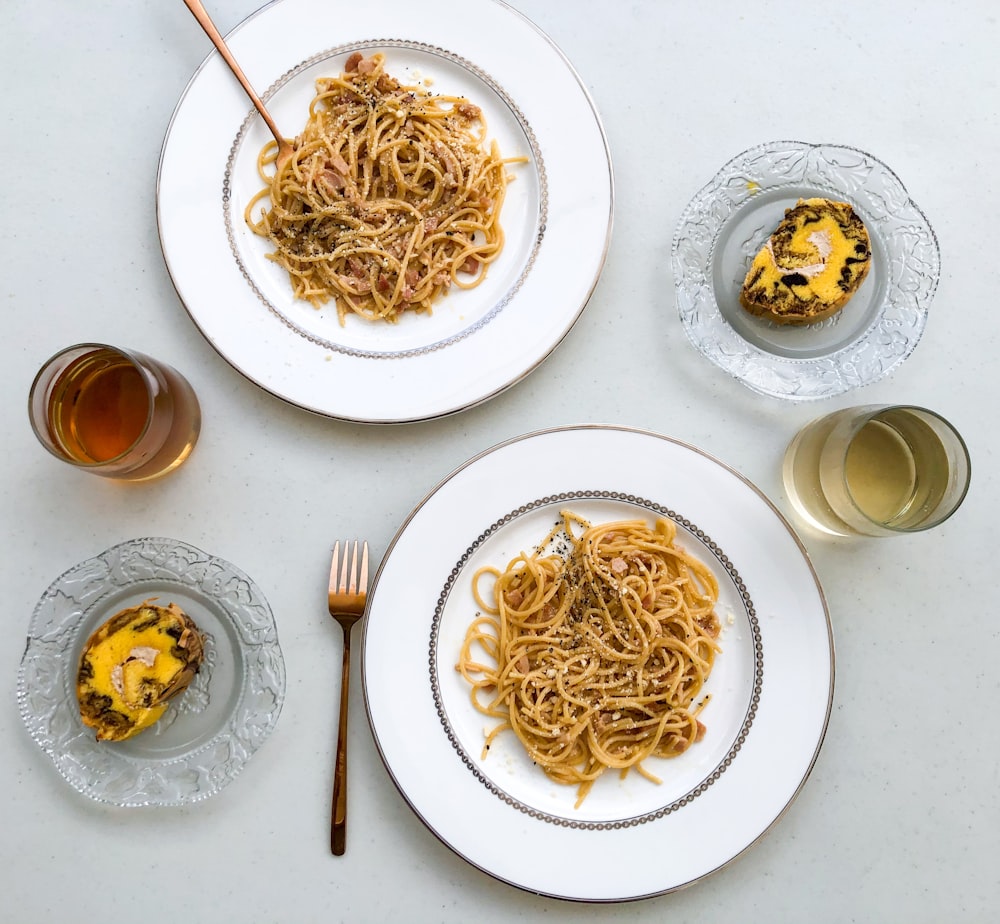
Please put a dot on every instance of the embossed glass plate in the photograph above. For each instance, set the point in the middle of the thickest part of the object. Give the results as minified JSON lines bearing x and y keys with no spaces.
{"x":556,"y":218}
{"x":209,"y":732}
{"x":772,"y":685}
{"x":730,"y":219}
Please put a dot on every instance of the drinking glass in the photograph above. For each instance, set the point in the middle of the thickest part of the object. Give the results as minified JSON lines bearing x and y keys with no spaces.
{"x":114,"y":412}
{"x":877,"y":470}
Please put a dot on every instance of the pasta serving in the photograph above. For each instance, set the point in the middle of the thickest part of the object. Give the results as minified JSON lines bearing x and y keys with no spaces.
{"x":595,"y":657}
{"x":392,"y":196}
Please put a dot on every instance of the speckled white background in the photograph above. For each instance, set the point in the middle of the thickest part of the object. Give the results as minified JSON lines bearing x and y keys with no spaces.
{"x":899,"y":820}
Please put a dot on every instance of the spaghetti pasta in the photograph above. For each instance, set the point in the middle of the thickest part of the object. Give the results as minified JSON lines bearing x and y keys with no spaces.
{"x":392,"y":196}
{"x":595,"y":654}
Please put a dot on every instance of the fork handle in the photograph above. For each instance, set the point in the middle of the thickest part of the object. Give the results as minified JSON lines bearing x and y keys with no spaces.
{"x":201,"y":14}
{"x":338,"y":819}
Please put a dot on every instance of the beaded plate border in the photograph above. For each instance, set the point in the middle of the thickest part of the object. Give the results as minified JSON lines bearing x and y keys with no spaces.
{"x":434,"y":51}
{"x":758,"y":672}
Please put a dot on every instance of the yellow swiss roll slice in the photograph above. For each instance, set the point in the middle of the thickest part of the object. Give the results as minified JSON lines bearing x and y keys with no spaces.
{"x":810,"y":266}
{"x":133,"y":665}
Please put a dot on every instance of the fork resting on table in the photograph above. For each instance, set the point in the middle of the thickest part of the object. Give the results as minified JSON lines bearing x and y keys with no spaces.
{"x":347,"y":596}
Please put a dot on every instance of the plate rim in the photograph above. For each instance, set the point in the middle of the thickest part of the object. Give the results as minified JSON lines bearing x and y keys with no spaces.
{"x":821,"y":730}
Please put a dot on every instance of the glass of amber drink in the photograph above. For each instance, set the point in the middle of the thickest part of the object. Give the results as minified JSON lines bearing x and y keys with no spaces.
{"x":114,"y":412}
{"x":878,"y":470}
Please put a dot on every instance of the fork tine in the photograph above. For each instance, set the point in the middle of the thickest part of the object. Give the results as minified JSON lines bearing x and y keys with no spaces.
{"x":335,"y":566}
{"x":345,"y":567}
{"x":347,"y":576}
{"x":353,"y":589}
{"x":363,"y":580}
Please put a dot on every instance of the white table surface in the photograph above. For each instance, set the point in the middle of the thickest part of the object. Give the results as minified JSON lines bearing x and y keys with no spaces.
{"x":899,"y":820}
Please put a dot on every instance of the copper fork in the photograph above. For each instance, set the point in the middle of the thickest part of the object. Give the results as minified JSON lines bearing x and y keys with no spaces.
{"x":347,"y":596}
{"x":285,"y":147}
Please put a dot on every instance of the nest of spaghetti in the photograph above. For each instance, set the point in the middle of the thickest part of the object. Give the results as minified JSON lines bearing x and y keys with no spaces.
{"x":392,"y":196}
{"x":595,"y":648}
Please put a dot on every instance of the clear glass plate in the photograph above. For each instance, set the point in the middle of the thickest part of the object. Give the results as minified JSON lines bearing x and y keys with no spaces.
{"x":208,"y":733}
{"x":730,"y":219}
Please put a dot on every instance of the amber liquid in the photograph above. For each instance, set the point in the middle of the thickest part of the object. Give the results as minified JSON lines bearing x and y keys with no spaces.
{"x":99,"y":409}
{"x":123,"y":421}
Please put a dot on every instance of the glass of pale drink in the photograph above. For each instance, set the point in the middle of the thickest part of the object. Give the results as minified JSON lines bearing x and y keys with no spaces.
{"x":878,"y":470}
{"x":114,"y":412}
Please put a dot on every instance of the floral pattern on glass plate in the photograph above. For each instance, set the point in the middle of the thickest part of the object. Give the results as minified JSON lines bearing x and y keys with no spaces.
{"x":210,"y":731}
{"x":730,"y":219}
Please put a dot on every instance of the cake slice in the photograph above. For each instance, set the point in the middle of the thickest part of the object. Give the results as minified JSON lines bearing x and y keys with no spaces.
{"x":133,"y":665}
{"x":811,"y":265}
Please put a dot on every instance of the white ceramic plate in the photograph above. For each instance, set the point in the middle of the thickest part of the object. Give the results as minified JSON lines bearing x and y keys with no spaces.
{"x":729,"y":220}
{"x":557,"y":216}
{"x":772,"y":684}
{"x":210,"y":731}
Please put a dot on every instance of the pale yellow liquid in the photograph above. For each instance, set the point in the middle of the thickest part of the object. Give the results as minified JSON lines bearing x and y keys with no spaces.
{"x":880,"y":472}
{"x":892,"y":475}
{"x":802,"y":481}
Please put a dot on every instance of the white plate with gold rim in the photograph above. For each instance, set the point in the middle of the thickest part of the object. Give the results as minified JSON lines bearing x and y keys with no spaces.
{"x":557,"y":216}
{"x":772,"y":684}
